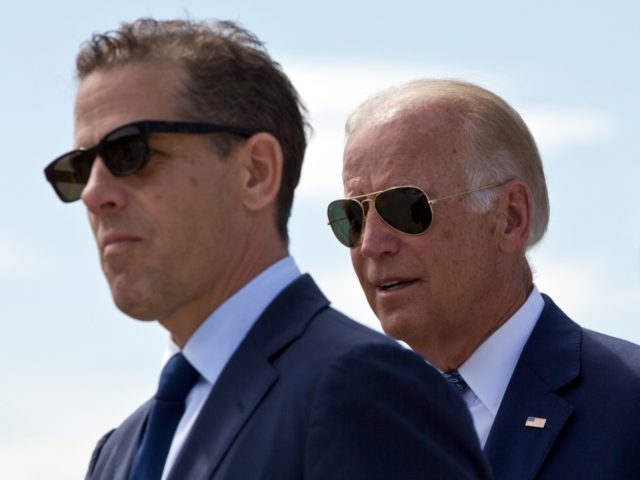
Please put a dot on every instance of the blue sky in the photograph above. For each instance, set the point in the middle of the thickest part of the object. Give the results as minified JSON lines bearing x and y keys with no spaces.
{"x":73,"y":366}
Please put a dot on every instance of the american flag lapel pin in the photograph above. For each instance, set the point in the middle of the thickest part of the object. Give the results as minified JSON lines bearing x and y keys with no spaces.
{"x":535,"y":422}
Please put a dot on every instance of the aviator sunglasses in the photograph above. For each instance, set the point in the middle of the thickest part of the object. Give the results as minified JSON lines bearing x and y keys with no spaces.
{"x":124,"y":151}
{"x":406,"y":209}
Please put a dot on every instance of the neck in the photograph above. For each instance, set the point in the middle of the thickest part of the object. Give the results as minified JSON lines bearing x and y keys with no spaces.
{"x":450,"y":348}
{"x":253,"y":258}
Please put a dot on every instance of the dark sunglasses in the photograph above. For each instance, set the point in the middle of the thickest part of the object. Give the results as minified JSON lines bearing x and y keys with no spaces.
{"x":124,"y":151}
{"x":406,"y":209}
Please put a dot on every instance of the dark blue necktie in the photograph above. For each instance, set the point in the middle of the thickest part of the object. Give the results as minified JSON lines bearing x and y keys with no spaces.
{"x":176,"y":380}
{"x":456,"y":381}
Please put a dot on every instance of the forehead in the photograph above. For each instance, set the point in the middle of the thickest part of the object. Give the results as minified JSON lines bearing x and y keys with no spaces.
{"x":421,"y":147}
{"x":107,"y":99}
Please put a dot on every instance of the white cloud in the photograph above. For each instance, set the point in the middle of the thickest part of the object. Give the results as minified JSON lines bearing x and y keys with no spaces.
{"x":557,"y":127}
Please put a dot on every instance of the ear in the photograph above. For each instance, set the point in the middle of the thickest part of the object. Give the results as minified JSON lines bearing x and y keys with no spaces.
{"x":514,"y":217}
{"x":261,"y":171}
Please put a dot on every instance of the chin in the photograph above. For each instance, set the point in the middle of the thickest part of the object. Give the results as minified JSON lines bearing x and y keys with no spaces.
{"x":135,"y":307}
{"x":394,"y":324}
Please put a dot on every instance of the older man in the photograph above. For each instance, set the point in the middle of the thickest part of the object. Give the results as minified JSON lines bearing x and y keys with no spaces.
{"x":446,"y":193}
{"x":189,"y":142}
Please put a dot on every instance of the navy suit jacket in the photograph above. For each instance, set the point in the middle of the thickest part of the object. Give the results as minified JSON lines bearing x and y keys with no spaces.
{"x":310,"y":394}
{"x":587,"y":387}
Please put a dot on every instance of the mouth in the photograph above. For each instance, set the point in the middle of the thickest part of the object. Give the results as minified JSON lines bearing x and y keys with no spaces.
{"x":394,"y":285}
{"x":116,"y":242}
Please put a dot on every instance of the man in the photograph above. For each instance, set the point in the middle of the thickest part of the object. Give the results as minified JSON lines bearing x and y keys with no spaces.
{"x":189,"y":143}
{"x":446,"y":193}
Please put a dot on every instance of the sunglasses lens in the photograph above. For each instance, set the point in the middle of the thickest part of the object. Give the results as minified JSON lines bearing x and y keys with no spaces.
{"x":405,"y":208}
{"x":345,"y":218}
{"x":69,"y":174}
{"x":125,"y":151}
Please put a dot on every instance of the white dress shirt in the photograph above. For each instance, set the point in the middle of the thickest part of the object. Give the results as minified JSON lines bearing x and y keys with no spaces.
{"x":488,"y":370}
{"x":214,"y":342}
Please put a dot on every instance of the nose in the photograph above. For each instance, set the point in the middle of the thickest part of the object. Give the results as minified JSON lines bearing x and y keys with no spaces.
{"x":377,"y":237}
{"x":104,"y":191}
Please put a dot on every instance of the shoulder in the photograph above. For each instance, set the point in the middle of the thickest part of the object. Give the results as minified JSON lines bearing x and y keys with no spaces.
{"x":601,"y":362}
{"x":348,"y":368}
{"x":330,"y":324}
{"x":365,"y":375}
{"x":96,"y":453}
{"x":617,"y":349}
{"x":116,"y":445}
{"x":342,"y":345}
{"x":380,"y":411}
{"x":383,"y":370}
{"x":333,"y":343}
{"x":594,"y":346}
{"x":615,"y":357}
{"x":302,"y":320}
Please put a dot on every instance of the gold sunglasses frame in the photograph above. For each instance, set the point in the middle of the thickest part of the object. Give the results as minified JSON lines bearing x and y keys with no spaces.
{"x":430,"y":202}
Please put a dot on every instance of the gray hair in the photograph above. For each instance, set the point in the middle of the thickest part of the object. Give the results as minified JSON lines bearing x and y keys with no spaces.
{"x":502,"y":147}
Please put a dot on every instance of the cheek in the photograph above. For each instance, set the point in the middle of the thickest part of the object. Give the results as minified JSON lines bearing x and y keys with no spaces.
{"x":358,"y":264}
{"x":178,"y":221}
{"x":447,"y":235}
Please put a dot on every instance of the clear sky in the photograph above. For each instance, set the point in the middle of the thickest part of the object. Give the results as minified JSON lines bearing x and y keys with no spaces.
{"x":72,"y":366}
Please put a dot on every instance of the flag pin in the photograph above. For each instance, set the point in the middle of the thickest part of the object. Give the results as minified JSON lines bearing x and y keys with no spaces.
{"x":535,"y":422}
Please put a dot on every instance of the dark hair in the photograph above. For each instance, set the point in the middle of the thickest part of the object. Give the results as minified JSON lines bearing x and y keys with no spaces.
{"x":231,"y":79}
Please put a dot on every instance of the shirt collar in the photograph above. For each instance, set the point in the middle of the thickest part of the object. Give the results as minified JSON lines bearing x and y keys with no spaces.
{"x":214,"y":342}
{"x":488,"y":370}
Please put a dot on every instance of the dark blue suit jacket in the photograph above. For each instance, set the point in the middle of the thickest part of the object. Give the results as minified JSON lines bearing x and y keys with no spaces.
{"x":310,"y":394}
{"x":587,"y":386}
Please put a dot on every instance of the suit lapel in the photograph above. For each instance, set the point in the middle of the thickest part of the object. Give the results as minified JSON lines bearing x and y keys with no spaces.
{"x":237,"y":393}
{"x":246,"y":380}
{"x":549,"y":361}
{"x":513,"y":449}
{"x":117,"y":453}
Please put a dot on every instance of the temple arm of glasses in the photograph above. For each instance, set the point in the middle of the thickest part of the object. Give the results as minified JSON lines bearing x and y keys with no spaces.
{"x":486,"y":187}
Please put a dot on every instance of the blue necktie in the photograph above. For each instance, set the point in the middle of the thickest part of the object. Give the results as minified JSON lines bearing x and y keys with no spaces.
{"x":176,"y":380}
{"x":456,"y":381}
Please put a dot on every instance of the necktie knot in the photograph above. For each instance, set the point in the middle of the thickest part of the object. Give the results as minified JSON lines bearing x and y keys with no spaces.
{"x":176,"y":380}
{"x":456,"y":381}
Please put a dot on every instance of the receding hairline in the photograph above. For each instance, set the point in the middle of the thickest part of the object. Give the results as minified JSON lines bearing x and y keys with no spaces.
{"x":157,"y":61}
{"x":177,"y":94}
{"x":450,"y":95}
{"x":500,"y":143}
